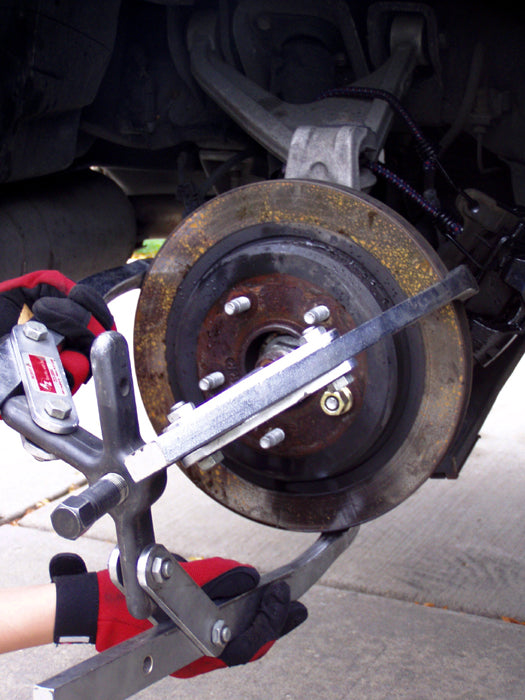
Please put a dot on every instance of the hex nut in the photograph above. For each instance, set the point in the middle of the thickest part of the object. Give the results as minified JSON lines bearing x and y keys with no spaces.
{"x":161,"y":569}
{"x":58,"y":408}
{"x":34,"y":330}
{"x":338,"y":402}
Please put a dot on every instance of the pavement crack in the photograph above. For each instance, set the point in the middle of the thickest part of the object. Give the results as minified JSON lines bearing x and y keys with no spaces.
{"x":15,"y":517}
{"x":425,"y":604}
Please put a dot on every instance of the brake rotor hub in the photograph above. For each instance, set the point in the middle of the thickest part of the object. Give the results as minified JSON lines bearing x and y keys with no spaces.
{"x":235,"y":287}
{"x":267,"y":329}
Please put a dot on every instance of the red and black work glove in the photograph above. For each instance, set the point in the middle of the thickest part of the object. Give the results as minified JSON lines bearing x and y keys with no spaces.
{"x":76,"y":311}
{"x":79,"y":596}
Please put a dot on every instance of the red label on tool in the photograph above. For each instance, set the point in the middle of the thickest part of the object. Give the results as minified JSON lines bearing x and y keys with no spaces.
{"x":44,"y":374}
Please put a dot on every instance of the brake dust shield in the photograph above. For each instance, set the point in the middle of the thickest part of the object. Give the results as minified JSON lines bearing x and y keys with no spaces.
{"x":288,"y":247}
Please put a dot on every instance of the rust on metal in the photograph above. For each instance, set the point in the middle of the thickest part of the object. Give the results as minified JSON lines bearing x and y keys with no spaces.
{"x":400,"y":251}
{"x":234,"y":345}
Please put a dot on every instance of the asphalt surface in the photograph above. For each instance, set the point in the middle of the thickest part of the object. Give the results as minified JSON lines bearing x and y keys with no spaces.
{"x":428,"y":602}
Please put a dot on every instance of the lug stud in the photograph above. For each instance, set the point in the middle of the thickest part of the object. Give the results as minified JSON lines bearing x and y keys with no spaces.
{"x":211,"y":381}
{"x":272,"y":438}
{"x":237,"y":306}
{"x":316,"y":315}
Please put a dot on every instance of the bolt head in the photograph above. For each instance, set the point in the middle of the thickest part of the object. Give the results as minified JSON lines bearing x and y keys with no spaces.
{"x":180,"y":409}
{"x":220,"y":633}
{"x":162,"y":569}
{"x":58,"y":408}
{"x":312,"y":333}
{"x":73,"y":517}
{"x":34,"y":330}
{"x":167,"y":569}
{"x":211,"y":461}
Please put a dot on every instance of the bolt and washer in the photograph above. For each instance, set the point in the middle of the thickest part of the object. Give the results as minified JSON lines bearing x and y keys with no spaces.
{"x":272,"y":438}
{"x":211,"y":381}
{"x":237,"y":306}
{"x":220,"y":633}
{"x":37,"y":452}
{"x":336,"y":402}
{"x":162,"y":569}
{"x":57,"y":408}
{"x":316,"y":315}
{"x":34,"y":330}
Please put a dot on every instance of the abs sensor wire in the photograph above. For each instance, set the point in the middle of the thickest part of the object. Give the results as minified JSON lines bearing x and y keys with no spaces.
{"x":424,"y":148}
{"x":452,"y":228}
{"x":447,"y":221}
{"x":426,"y":151}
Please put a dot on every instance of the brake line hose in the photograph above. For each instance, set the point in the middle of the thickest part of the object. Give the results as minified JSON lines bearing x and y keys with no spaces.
{"x":425,"y":150}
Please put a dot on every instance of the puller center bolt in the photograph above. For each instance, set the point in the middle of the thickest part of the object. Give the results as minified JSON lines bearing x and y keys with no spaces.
{"x":237,"y":306}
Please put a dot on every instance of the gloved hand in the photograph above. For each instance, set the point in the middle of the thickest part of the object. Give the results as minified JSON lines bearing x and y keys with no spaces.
{"x":74,"y":310}
{"x":219,"y":578}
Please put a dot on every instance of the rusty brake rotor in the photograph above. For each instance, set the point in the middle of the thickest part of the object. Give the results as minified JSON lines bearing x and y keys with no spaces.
{"x":233,"y":288}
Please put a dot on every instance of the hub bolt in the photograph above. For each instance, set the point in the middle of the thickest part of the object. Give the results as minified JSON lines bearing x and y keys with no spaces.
{"x":272,"y":438}
{"x":316,"y":315}
{"x":237,"y":306}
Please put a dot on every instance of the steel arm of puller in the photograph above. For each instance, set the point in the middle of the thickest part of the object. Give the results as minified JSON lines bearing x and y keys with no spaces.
{"x":127,"y":476}
{"x":102,"y":462}
{"x":140,"y":661}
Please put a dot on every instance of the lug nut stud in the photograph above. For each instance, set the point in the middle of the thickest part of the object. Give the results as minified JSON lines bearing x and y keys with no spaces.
{"x":237,"y":306}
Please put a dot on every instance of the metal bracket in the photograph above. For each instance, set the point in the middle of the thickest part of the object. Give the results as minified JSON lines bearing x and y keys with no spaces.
{"x":330,"y":154}
{"x":175,"y":592}
{"x":141,"y":661}
{"x":43,"y":378}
